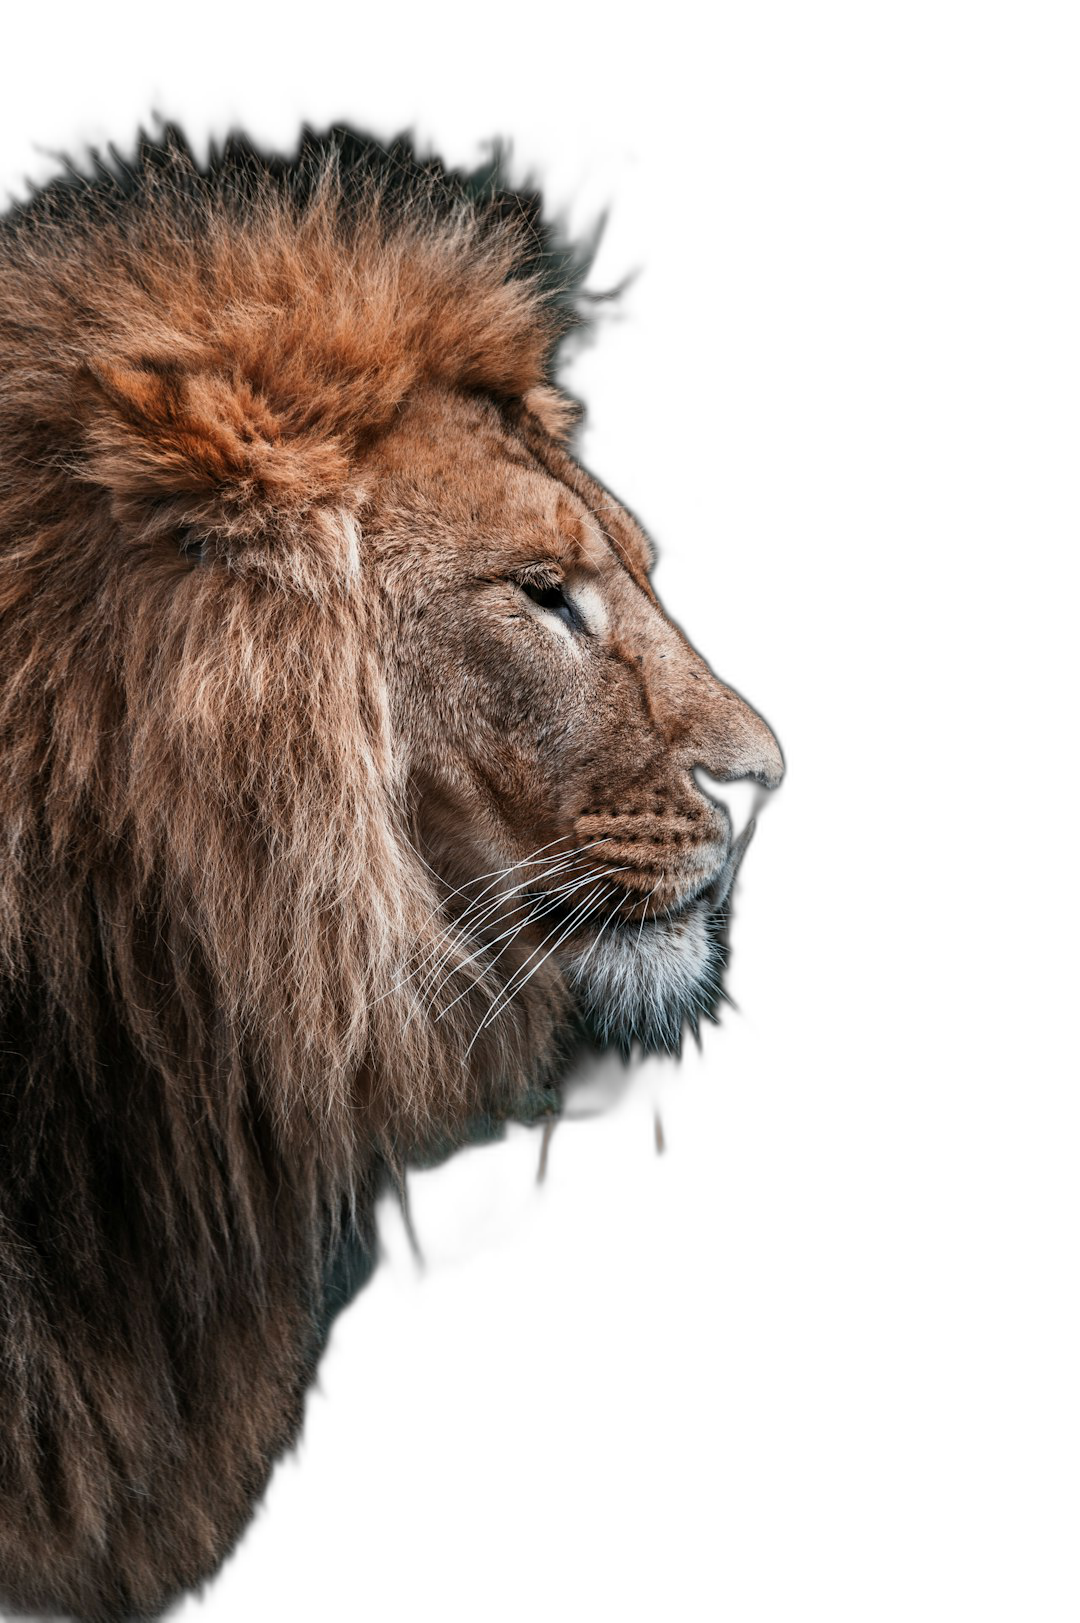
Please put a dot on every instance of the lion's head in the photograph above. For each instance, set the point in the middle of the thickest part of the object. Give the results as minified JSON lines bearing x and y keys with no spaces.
{"x":347,"y":754}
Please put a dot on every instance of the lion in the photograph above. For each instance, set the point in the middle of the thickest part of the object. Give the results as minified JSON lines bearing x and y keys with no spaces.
{"x":347,"y":789}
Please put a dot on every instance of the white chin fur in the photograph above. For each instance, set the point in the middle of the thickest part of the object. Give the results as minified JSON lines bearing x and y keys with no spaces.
{"x":644,"y":984}
{"x":653,"y":984}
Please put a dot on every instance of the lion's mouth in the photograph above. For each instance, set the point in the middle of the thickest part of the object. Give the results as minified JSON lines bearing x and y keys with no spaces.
{"x":580,"y":909}
{"x":708,"y":896}
{"x":682,"y":909}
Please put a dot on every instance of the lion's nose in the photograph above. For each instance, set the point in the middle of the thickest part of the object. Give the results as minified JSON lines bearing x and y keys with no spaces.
{"x":732,"y":741}
{"x":741,"y":797}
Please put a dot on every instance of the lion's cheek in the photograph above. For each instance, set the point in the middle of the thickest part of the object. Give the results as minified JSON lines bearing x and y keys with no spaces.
{"x":521,"y":742}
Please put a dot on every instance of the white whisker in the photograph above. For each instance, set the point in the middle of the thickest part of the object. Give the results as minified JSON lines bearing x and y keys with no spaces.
{"x":451,"y":937}
{"x":511,"y":990}
{"x":548,"y":903}
{"x":532,"y":907}
{"x":463,"y":933}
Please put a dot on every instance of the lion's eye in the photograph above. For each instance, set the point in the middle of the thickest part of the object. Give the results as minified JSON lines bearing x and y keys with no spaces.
{"x":554,"y":599}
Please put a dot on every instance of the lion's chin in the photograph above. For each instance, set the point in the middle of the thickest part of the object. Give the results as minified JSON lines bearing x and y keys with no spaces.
{"x":646,"y":983}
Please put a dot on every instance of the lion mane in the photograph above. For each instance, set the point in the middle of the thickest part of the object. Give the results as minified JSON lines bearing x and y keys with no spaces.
{"x":208,"y":887}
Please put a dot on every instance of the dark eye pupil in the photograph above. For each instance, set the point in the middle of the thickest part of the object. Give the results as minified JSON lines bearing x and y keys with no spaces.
{"x":548,"y":598}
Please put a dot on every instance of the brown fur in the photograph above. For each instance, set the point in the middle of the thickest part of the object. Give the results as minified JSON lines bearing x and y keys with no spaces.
{"x":281,"y":463}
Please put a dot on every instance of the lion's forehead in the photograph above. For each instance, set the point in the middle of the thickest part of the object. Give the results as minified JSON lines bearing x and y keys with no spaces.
{"x":497,"y":499}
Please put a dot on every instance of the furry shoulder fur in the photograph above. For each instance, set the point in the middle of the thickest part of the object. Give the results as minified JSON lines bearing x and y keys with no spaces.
{"x":208,"y":883}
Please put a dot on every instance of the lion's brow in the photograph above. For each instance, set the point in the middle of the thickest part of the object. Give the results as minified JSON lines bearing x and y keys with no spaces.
{"x":584,"y":538}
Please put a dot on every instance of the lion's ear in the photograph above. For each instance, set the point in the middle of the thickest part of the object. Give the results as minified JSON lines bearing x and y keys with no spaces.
{"x":160,"y":428}
{"x":556,"y":413}
{"x":154,"y":427}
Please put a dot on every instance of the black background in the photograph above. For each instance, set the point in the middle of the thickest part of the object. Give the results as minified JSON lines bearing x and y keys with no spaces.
{"x":653,"y":1365}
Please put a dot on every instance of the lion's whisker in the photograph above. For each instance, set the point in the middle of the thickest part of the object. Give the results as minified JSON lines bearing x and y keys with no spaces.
{"x":511,"y":936}
{"x":462,"y":931}
{"x":560,"y":860}
{"x":510,"y":991}
{"x":492,"y":874}
{"x":530,"y":860}
{"x":563,"y":860}
{"x":553,"y":900}
{"x":596,"y":940}
{"x":535,"y":909}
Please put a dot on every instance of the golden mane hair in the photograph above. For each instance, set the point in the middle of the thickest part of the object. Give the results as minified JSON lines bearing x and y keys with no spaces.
{"x":208,"y":886}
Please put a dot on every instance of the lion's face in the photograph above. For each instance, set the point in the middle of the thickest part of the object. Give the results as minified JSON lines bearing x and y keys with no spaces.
{"x":554,"y":714}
